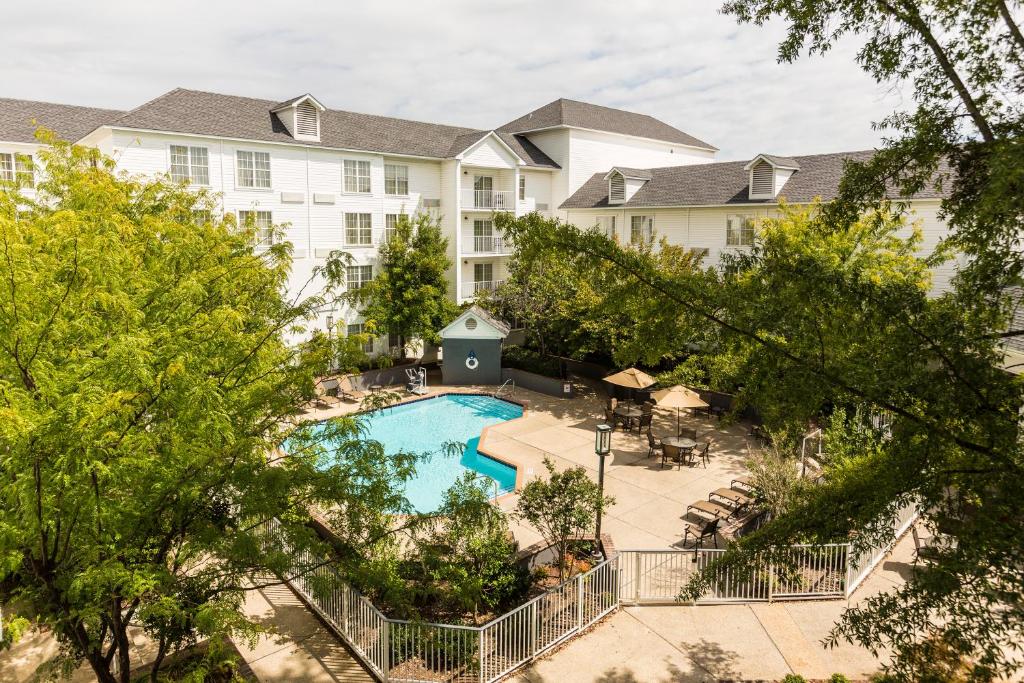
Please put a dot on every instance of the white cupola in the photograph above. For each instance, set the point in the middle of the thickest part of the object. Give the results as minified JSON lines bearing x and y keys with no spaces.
{"x":301,"y":116}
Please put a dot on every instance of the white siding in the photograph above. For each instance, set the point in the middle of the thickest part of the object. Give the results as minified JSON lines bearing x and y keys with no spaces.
{"x":491,"y":153}
{"x":555,"y":143}
{"x":538,"y":191}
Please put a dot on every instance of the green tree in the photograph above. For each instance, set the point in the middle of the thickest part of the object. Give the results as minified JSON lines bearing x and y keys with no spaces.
{"x":408,"y":294}
{"x":562,"y":508}
{"x":819,"y":315}
{"x":144,"y":389}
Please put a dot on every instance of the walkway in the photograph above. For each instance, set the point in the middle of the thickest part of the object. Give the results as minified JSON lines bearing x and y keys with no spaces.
{"x":684,"y":644}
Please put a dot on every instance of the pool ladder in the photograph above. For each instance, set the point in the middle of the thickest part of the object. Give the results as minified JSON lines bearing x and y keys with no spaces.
{"x":497,"y":393}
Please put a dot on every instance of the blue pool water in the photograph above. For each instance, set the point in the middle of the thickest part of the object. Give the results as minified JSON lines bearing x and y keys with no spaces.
{"x":424,"y":426}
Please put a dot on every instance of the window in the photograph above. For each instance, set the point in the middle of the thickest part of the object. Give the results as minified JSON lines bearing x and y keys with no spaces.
{"x":202,"y":216}
{"x":190,"y":164}
{"x":483,"y":275}
{"x":391,"y":225}
{"x":264,"y":224}
{"x":253,"y":169}
{"x":606,"y":226}
{"x":356,"y":277}
{"x":357,"y":176}
{"x":739,"y":230}
{"x":357,"y":328}
{"x":522,"y":188}
{"x":483,"y":192}
{"x":396,"y":180}
{"x":641,"y":229}
{"x":483,"y":236}
{"x":17,"y":167}
{"x":617,"y":188}
{"x":394,"y":341}
{"x":358,"y":229}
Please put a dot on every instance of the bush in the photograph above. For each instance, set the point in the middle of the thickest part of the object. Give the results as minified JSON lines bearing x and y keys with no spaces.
{"x":838,"y":678}
{"x":522,"y":358}
{"x":794,"y":678}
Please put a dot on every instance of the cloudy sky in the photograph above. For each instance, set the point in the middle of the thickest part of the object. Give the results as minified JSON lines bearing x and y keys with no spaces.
{"x":468,"y":63}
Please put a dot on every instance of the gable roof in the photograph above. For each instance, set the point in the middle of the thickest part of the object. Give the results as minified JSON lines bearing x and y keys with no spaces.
{"x":720,"y":183}
{"x":777,"y":161}
{"x":295,"y":100}
{"x":247,"y":118}
{"x":633,"y":173}
{"x":67,"y":121}
{"x":475,"y":310}
{"x":563,"y":112}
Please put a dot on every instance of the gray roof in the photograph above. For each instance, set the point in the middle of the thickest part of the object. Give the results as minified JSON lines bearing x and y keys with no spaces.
{"x":784,"y":162}
{"x":641,"y":173}
{"x":204,"y":113}
{"x":720,"y":183}
{"x":563,"y":112}
{"x":67,"y":121}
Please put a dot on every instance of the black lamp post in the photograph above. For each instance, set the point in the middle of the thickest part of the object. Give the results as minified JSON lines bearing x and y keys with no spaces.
{"x":330,"y":343}
{"x":602,"y":447}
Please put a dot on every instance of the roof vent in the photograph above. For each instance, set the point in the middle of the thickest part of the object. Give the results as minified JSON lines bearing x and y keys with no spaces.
{"x":762,"y":180}
{"x":470,"y":323}
{"x":307,"y":120}
{"x":616,"y":189}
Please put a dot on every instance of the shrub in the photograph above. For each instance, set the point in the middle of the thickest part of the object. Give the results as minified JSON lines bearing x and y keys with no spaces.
{"x":794,"y":678}
{"x":838,"y":678}
{"x":522,"y":358}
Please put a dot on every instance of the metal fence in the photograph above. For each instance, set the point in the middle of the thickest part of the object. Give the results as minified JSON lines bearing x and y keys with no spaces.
{"x":399,"y":651}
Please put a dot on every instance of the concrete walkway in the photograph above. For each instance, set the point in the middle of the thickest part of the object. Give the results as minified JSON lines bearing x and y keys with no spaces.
{"x":690,"y":644}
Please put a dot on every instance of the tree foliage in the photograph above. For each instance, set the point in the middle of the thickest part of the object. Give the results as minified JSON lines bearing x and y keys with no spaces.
{"x":144,"y":389}
{"x":562,"y":508}
{"x":408,"y":295}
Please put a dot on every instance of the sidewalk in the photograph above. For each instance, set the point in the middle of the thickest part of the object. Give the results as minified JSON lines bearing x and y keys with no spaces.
{"x":690,"y":644}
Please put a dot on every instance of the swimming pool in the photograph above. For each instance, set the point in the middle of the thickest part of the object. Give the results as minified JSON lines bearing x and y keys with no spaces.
{"x":424,"y":426}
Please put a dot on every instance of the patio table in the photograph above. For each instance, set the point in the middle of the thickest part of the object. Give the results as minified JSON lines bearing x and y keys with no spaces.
{"x":679,"y":441}
{"x":629,"y":413}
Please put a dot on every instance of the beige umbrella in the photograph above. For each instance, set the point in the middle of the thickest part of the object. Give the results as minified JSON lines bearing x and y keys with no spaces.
{"x":631,"y":378}
{"x":678,"y":397}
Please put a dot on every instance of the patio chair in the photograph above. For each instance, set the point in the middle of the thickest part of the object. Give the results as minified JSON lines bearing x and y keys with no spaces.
{"x":924,"y":548}
{"x":702,"y":453}
{"x":347,"y":390}
{"x":644,"y":422}
{"x":613,"y":403}
{"x":688,"y":433}
{"x":653,"y":443}
{"x":670,"y":452}
{"x":707,"y":530}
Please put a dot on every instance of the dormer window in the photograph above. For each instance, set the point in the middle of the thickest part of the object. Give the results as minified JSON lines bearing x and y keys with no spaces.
{"x":623,"y":183}
{"x":307,"y":120}
{"x":762,"y":180}
{"x":301,"y":116}
{"x":616,"y":189}
{"x":768,"y":174}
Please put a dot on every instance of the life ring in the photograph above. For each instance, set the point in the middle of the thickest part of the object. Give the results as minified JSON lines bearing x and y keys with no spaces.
{"x":472,"y":362}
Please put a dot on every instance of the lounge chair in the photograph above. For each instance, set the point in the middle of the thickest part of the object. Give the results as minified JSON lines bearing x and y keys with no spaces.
{"x":710,"y":509}
{"x":743,"y":483}
{"x":323,"y":397}
{"x":347,"y":390}
{"x":731,"y":496}
{"x":705,"y":531}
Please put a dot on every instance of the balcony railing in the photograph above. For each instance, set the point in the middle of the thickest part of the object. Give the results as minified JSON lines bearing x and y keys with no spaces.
{"x":471,"y":289}
{"x":488,"y":200}
{"x":489,"y":244}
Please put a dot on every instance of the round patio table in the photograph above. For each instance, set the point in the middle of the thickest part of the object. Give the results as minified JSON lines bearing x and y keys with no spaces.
{"x":629,"y":411}
{"x":679,"y":442}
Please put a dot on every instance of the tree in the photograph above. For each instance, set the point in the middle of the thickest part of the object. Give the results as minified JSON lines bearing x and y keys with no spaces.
{"x":562,"y":508}
{"x":144,"y":390}
{"x":408,"y":295}
{"x":819,"y":315}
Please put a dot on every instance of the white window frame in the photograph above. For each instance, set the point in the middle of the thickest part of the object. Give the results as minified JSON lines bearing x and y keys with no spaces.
{"x":522,"y":187}
{"x":646,"y":228}
{"x":742,"y":236}
{"x":192,"y":163}
{"x":399,"y":181}
{"x":360,"y":328}
{"x":357,"y":177}
{"x":264,"y":234}
{"x":486,"y":266}
{"x":354,"y":283}
{"x":17,"y":166}
{"x":257,"y":173}
{"x":358,"y":223}
{"x":391,"y":224}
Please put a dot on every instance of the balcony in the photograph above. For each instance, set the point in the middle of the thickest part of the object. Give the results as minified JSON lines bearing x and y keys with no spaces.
{"x":488,"y":200}
{"x":485,"y":245}
{"x":472,"y":289}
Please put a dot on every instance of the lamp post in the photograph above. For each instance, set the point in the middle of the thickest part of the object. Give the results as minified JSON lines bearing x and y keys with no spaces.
{"x":330,"y":343}
{"x":602,"y":447}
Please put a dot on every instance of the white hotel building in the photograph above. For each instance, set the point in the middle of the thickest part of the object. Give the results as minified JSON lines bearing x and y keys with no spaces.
{"x":337,"y":180}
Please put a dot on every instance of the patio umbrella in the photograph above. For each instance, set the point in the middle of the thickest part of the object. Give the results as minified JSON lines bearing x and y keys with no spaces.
{"x":678,"y":397}
{"x":631,"y":378}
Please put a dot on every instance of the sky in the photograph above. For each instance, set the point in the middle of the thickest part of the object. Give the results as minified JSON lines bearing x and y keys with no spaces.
{"x":477,"y":64}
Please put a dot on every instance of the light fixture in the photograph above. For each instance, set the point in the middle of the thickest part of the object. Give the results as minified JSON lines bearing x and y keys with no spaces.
{"x":603,"y":440}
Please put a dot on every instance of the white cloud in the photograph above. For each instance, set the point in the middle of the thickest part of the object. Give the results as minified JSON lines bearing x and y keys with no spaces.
{"x":459,"y":62}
